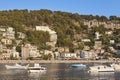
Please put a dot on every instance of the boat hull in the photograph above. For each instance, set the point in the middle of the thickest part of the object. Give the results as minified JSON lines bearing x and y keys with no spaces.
{"x":16,"y":67}
{"x":115,"y":66}
{"x":81,"y":66}
{"x":101,"y":69}
{"x":36,"y":71}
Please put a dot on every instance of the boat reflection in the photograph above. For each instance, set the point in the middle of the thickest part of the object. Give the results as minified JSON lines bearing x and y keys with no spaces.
{"x":37,"y":75}
{"x":102,"y":75}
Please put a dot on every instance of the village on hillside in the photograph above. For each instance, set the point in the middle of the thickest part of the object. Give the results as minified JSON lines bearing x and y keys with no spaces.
{"x":15,"y":49}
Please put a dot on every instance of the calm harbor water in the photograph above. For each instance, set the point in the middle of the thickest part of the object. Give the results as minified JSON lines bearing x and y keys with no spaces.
{"x":57,"y":71}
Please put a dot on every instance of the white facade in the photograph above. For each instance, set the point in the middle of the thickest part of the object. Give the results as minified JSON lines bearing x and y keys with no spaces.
{"x":14,"y":53}
{"x":29,"y":51}
{"x":34,"y":52}
{"x":97,"y":35}
{"x":42,"y":28}
{"x":112,"y":41}
{"x":85,"y":40}
{"x":46,"y":52}
{"x":98,"y":44}
{"x":6,"y":41}
{"x":69,"y":55}
{"x":21,"y":35}
{"x":89,"y":54}
{"x":10,"y":34}
{"x":1,"y":47}
{"x":2,"y":29}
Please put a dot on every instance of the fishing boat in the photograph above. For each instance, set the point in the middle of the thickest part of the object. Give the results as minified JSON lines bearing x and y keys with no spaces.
{"x":37,"y":68}
{"x":80,"y":66}
{"x":17,"y":67}
{"x":101,"y":68}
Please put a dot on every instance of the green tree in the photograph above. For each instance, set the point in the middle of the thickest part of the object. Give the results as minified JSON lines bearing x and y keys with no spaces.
{"x":18,"y":49}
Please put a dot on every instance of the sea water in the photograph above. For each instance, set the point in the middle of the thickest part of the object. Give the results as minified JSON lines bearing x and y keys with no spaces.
{"x":57,"y":71}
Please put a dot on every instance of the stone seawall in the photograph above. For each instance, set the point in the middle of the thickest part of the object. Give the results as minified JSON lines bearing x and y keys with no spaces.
{"x":55,"y":61}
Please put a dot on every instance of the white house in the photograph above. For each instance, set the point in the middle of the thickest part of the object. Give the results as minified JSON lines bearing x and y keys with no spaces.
{"x":10,"y":34}
{"x":86,"y":40}
{"x":88,"y":54}
{"x":2,"y":29}
{"x":34,"y":52}
{"x":21,"y":35}
{"x":97,"y":35}
{"x":6,"y":41}
{"x":46,"y":52}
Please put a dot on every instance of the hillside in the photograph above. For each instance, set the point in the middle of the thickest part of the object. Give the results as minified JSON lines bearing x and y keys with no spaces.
{"x":67,"y":25}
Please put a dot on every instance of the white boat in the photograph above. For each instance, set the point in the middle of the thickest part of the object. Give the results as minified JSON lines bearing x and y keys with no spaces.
{"x":115,"y":66}
{"x":17,"y":67}
{"x":37,"y":68}
{"x":80,"y":66}
{"x":101,"y":68}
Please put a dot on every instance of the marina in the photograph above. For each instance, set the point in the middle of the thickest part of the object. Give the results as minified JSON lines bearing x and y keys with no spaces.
{"x":57,"y":71}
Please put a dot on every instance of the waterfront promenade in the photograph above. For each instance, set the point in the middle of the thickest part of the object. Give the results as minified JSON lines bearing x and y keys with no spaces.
{"x":55,"y":61}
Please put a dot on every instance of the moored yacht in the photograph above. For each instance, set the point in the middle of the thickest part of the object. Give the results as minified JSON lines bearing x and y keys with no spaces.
{"x":115,"y":66}
{"x":37,"y":68}
{"x":101,"y":68}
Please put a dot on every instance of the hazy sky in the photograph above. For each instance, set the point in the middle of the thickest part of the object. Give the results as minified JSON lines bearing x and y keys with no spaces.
{"x":94,"y":7}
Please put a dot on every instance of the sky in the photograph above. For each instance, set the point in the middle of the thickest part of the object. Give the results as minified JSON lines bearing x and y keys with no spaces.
{"x":82,"y":7}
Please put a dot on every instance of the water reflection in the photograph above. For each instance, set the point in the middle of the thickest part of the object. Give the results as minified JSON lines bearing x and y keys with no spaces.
{"x":36,"y":75}
{"x":103,"y":75}
{"x":56,"y":72}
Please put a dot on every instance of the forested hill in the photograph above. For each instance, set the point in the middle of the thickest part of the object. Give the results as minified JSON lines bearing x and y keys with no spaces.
{"x":46,"y":17}
{"x":64,"y":23}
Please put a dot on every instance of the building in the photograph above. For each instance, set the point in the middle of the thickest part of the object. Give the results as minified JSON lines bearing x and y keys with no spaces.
{"x":69,"y":55}
{"x":14,"y":53}
{"x":9,"y":34}
{"x":108,"y":24}
{"x":97,"y":35}
{"x":63,"y":49}
{"x":29,"y":51}
{"x":25,"y":51}
{"x":88,"y":54}
{"x":21,"y":35}
{"x":34,"y":52}
{"x":1,"y":47}
{"x":6,"y":41}
{"x":98,"y":45}
{"x":2,"y":29}
{"x":86,"y":40}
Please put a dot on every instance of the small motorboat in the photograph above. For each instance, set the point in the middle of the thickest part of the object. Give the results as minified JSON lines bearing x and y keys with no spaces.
{"x":81,"y":66}
{"x":37,"y":68}
{"x":17,"y":67}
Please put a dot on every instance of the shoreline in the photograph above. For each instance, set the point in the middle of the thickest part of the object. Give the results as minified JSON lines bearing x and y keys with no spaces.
{"x":57,"y":61}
